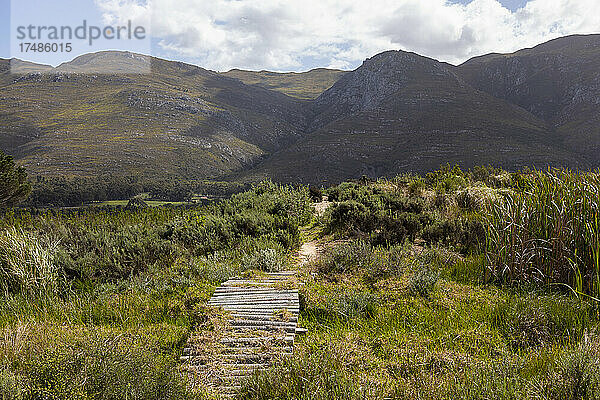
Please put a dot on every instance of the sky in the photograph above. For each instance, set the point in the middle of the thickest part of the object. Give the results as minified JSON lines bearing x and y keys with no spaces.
{"x":298,"y":35}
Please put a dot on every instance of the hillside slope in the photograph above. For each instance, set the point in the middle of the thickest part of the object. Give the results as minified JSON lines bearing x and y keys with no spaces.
{"x":305,"y":85}
{"x":398,"y":112}
{"x":558,"y":81}
{"x":179,"y":120}
{"x":402,"y":112}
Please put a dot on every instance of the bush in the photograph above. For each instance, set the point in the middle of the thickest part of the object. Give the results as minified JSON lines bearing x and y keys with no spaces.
{"x":387,"y":263}
{"x":356,"y":304}
{"x":536,"y":320}
{"x":467,"y":235}
{"x":422,"y":283}
{"x":395,"y":230}
{"x":350,"y":216}
{"x":576,"y":375}
{"x":316,"y":194}
{"x":10,"y":387}
{"x":72,"y":363}
{"x":317,"y":375}
{"x":267,"y":260}
{"x":348,"y":257}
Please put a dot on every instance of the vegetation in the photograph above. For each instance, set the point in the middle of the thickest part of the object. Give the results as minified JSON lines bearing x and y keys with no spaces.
{"x":14,"y":186}
{"x":549,"y":231}
{"x":305,"y":85}
{"x":412,"y":297}
{"x":77,"y":192}
{"x":458,"y":284}
{"x":98,"y":303}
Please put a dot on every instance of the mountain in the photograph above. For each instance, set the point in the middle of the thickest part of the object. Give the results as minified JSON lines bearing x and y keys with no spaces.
{"x":398,"y":112}
{"x":305,"y":85}
{"x":402,"y":112}
{"x":179,"y":120}
{"x":558,"y":81}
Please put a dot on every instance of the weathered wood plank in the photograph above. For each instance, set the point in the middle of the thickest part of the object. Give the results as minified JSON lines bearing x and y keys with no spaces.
{"x":256,"y":332}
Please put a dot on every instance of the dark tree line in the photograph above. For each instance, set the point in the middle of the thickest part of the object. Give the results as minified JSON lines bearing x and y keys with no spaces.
{"x":75,"y":192}
{"x":14,"y":186}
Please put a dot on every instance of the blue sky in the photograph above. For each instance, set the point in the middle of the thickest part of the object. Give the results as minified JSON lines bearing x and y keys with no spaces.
{"x":512,"y":5}
{"x":57,"y":13}
{"x":297,"y":35}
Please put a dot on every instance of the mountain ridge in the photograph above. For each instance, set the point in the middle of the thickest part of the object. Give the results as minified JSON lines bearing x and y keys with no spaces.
{"x":397,"y":112}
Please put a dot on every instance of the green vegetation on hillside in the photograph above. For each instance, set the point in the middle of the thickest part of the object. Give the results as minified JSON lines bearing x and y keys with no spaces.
{"x":177,"y":121}
{"x":305,"y":85}
{"x":398,"y":112}
{"x":76,"y":192}
{"x":14,"y":186}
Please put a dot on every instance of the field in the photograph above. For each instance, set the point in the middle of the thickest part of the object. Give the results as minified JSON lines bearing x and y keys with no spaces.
{"x":478,"y":285}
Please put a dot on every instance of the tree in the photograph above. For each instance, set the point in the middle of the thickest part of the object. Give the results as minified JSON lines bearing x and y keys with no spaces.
{"x":14,"y":186}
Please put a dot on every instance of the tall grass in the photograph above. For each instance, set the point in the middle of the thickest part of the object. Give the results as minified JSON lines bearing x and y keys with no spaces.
{"x":548,"y":231}
{"x":26,"y":263}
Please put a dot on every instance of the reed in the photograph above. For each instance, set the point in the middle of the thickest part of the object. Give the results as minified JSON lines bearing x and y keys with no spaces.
{"x":547,"y":231}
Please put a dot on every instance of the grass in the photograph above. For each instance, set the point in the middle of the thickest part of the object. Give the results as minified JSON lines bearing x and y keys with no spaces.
{"x":405,"y":300}
{"x":413,"y":319}
{"x":99,"y":303}
{"x":26,"y":263}
{"x":548,"y":231}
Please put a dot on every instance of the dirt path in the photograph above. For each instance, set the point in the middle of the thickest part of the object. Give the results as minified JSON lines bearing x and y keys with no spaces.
{"x":310,"y":250}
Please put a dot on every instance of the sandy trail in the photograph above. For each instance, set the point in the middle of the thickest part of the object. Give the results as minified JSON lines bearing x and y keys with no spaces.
{"x":307,"y":252}
{"x":310,"y":250}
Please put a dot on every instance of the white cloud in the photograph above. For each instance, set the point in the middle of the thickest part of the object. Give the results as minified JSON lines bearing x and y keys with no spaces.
{"x":299,"y":34}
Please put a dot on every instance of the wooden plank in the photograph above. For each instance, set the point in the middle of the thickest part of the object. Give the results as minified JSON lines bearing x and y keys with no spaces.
{"x":256,"y":333}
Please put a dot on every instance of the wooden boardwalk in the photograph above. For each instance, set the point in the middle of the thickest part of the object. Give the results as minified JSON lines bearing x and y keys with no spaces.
{"x":258,"y":325}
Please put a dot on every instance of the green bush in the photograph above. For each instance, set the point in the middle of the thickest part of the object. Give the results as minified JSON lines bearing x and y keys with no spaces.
{"x":315,"y":376}
{"x":356,"y":304}
{"x":536,"y":320}
{"x":79,"y":364}
{"x":348,"y":257}
{"x":467,"y":235}
{"x":422,"y":283}
{"x":575,"y":376}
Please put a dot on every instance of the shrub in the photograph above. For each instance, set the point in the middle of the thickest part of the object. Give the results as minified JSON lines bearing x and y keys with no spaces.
{"x":475,"y":198}
{"x":317,"y":375}
{"x":536,"y":320}
{"x":416,"y":187}
{"x":447,"y":179}
{"x":387,"y":263}
{"x":316,"y":195}
{"x":575,"y":376}
{"x":73,"y":363}
{"x":356,"y":304}
{"x":350,"y":216}
{"x":468,"y":235}
{"x":268,"y":260}
{"x":422,"y":283}
{"x":347,"y":257}
{"x":10,"y":387}
{"x":395,"y":230}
